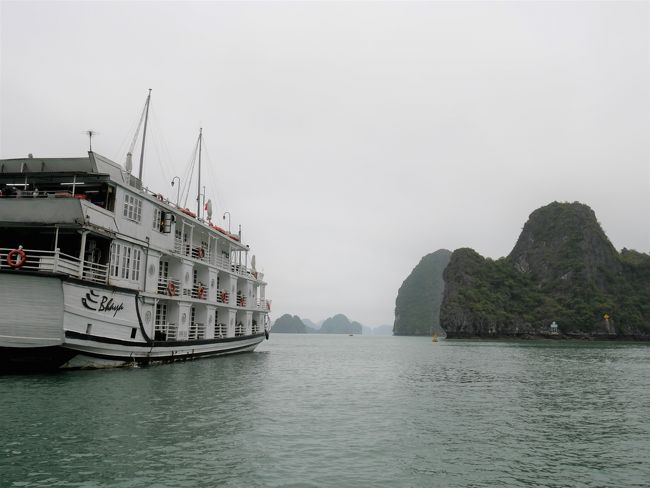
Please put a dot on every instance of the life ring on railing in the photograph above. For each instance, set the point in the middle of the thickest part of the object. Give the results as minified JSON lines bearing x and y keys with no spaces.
{"x":223,"y":296}
{"x":171,"y":288}
{"x":200,"y":292}
{"x":201,"y":252}
{"x":18,"y":263}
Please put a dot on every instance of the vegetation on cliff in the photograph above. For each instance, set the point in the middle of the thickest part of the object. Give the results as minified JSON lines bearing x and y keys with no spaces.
{"x":417,"y":307}
{"x":563,"y":269}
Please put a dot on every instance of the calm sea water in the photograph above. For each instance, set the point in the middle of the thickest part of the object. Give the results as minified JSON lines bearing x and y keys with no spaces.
{"x":340,"y":411}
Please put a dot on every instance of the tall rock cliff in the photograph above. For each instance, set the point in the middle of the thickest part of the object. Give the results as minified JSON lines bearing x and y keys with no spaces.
{"x":417,"y":307}
{"x":563,"y":269}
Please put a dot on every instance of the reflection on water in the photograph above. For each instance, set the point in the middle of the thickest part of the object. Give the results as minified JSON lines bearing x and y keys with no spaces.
{"x":338,"y":411}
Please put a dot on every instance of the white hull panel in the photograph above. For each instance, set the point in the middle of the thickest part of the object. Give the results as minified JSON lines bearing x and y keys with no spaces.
{"x":31,"y":311}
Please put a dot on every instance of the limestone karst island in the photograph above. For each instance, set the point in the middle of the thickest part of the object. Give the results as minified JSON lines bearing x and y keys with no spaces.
{"x":562,"y":279}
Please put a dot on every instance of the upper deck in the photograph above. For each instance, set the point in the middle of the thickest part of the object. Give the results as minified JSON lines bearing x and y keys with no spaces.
{"x":103,"y":189}
{"x":57,"y":204}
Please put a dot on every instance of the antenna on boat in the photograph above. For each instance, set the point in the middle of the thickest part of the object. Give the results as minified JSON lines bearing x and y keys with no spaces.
{"x":198,"y":190}
{"x":129,"y":155}
{"x":90,"y":133}
{"x":144,"y":134}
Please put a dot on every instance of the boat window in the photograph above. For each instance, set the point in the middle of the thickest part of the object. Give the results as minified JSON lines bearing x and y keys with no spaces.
{"x":158,"y":222}
{"x":132,"y":208}
{"x":128,"y":267}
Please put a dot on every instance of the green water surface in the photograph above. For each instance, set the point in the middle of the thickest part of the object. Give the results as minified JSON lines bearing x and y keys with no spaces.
{"x":340,"y":411}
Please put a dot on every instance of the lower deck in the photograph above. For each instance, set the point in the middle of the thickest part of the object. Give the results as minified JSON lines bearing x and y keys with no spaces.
{"x":53,"y":321}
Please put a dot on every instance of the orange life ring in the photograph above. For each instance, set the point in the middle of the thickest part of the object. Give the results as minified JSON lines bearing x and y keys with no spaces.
{"x":171,"y":288}
{"x":224,"y":297}
{"x":201,"y":292}
{"x":20,"y":261}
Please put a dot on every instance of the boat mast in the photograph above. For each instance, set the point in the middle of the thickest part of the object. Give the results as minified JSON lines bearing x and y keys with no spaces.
{"x":198,"y":188}
{"x":144,"y":134}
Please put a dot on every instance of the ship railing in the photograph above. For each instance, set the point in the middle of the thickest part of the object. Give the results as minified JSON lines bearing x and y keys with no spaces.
{"x":222,"y":262}
{"x":201,"y":253}
{"x":239,"y":329}
{"x":223,"y":296}
{"x":181,"y":247}
{"x":197,"y":331}
{"x":95,"y":272}
{"x":263,"y":304}
{"x":220,"y":330}
{"x":178,"y":246}
{"x":169,"y":286}
{"x":165,"y":332}
{"x":199,"y":291}
{"x":38,"y":260}
{"x":241,"y":270}
{"x":41,"y":194}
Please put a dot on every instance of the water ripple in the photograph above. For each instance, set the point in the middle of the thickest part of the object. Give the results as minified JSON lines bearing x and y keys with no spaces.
{"x":336,"y":411}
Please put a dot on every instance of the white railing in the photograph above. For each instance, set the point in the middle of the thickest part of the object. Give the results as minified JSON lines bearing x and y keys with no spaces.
{"x":167,"y":331}
{"x":199,"y":291}
{"x":41,"y":194}
{"x":181,"y":247}
{"x":221,"y":261}
{"x":169,"y":287}
{"x":220,"y":331}
{"x":262,"y":304}
{"x":37,"y":260}
{"x":197,"y":331}
{"x":201,"y":253}
{"x":239,"y":329}
{"x":223,"y":296}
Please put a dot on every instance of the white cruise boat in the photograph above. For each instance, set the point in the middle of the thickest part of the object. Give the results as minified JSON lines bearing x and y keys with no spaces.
{"x":97,"y":271}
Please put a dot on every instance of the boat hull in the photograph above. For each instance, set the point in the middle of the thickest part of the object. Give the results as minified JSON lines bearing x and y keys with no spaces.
{"x":52,"y":323}
{"x":88,"y":356}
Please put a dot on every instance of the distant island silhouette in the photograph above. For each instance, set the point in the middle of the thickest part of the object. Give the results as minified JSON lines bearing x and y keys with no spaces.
{"x":338,"y":324}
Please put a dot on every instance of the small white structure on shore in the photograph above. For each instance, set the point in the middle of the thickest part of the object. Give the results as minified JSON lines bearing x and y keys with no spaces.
{"x":554,"y":327}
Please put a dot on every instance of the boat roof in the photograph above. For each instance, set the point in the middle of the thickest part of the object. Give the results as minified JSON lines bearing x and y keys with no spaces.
{"x":48,"y":165}
{"x":94,"y":163}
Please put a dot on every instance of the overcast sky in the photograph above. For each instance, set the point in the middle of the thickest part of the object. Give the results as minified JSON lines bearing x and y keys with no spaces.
{"x":350,"y":139}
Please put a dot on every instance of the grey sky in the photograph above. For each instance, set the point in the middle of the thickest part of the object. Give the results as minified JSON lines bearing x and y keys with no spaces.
{"x":350,"y":139}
